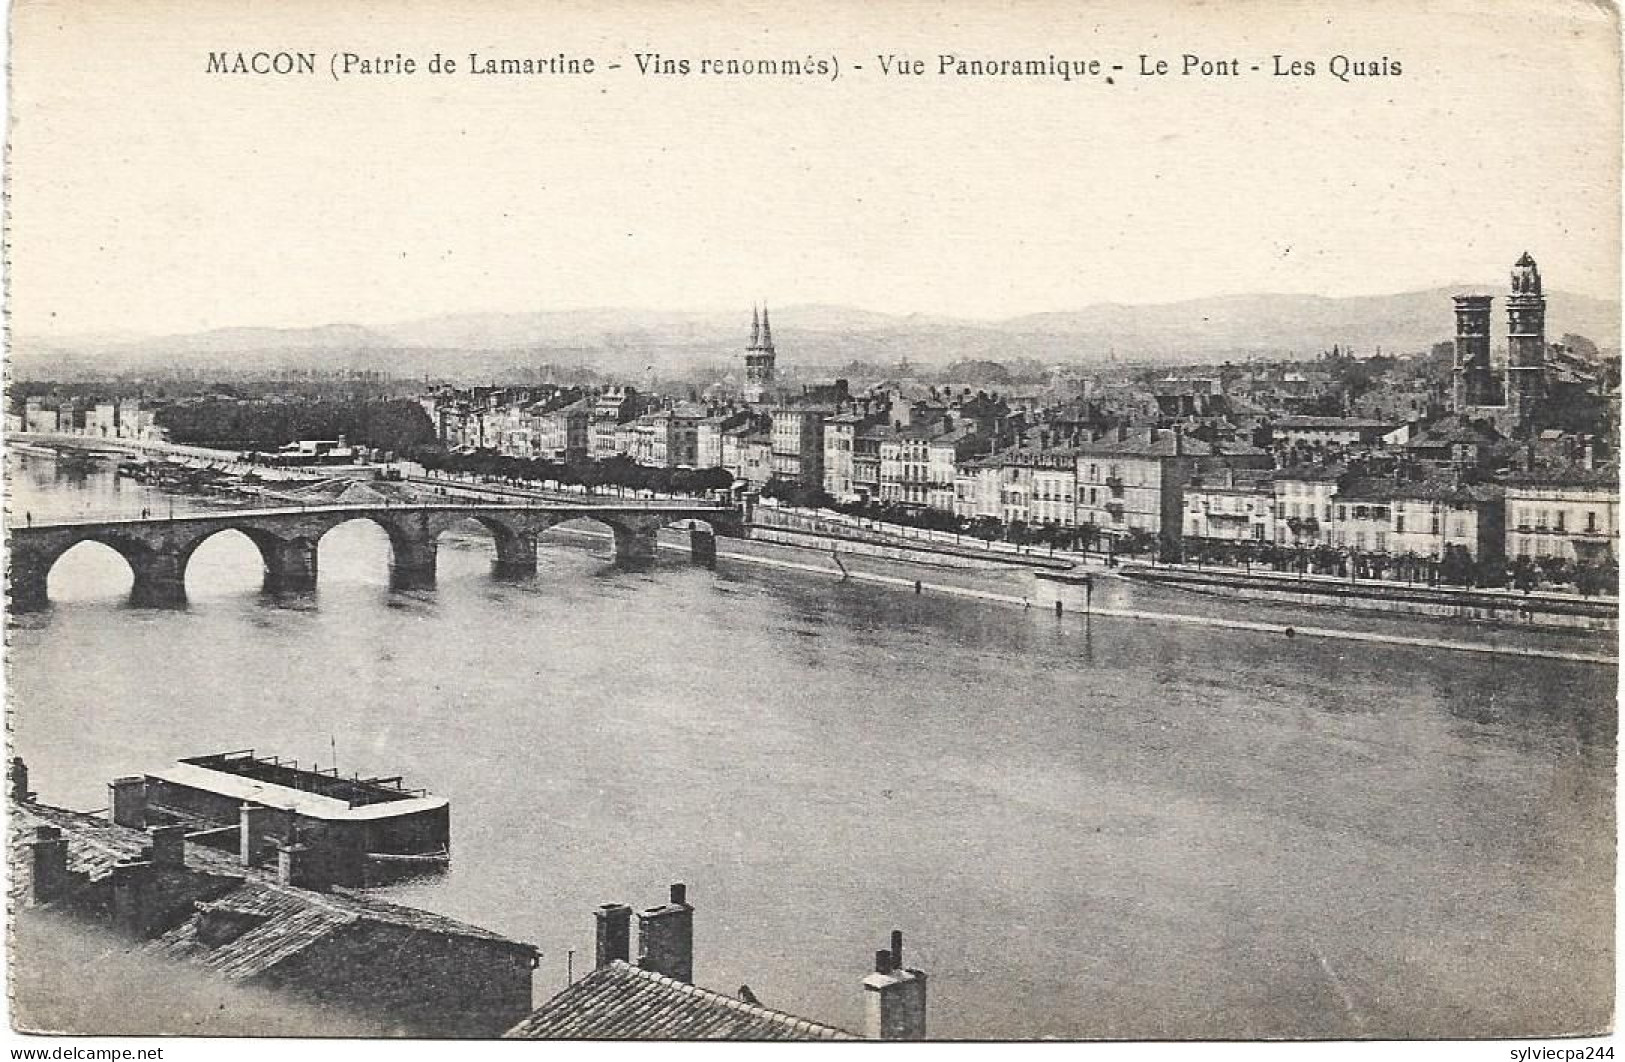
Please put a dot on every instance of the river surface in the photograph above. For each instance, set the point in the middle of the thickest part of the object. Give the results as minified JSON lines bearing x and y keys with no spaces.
{"x":1102,"y":828}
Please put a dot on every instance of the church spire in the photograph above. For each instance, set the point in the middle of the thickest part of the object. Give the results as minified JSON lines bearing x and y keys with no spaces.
{"x":755,"y":328}
{"x":767,"y":330}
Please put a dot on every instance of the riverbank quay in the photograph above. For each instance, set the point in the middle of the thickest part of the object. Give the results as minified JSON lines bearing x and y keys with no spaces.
{"x":919,"y":553}
{"x":1115,"y":597}
{"x":1477,"y":605}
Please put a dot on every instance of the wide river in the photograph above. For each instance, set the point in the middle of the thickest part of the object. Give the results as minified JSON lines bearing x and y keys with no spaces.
{"x":1111,"y":828}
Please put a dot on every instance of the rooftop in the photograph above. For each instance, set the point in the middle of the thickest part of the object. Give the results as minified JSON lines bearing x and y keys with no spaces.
{"x":1334,"y":423}
{"x":272,"y":794}
{"x":1148,"y":443}
{"x":619,"y":1001}
{"x":295,"y":917}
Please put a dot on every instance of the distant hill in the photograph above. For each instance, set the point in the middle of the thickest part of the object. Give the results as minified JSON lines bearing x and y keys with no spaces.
{"x":631,"y":341}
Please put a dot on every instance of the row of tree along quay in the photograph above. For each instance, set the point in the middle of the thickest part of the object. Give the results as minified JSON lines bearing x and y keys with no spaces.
{"x":1455,"y":568}
{"x":619,"y":471}
{"x":1079,"y":538}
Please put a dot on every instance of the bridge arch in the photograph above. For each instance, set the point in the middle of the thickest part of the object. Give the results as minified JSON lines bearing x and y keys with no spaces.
{"x":513,"y":534}
{"x":103,"y":559}
{"x":411,"y":549}
{"x":158,"y":551}
{"x":154,"y":575}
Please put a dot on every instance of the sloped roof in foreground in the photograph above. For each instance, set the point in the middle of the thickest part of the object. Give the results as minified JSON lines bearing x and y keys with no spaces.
{"x":623,"y":1002}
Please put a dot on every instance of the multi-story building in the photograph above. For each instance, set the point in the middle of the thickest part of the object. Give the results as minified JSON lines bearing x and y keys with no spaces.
{"x":1330,"y":433}
{"x":36,"y":417}
{"x":708,"y":442}
{"x":613,"y":408}
{"x":943,"y":452}
{"x":1237,"y":506}
{"x":840,"y":449}
{"x":515,"y":433}
{"x":561,"y":434}
{"x":866,"y":445}
{"x":1574,"y":515}
{"x":756,"y":458}
{"x":1304,"y":500}
{"x":1432,"y":516}
{"x":683,"y":436}
{"x":978,"y":488}
{"x":101,"y":420}
{"x":1133,"y":482}
{"x":798,"y":444}
{"x":905,"y":464}
{"x":1032,"y":486}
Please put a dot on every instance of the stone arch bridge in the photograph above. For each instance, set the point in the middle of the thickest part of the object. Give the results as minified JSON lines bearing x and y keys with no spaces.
{"x":159,"y":549}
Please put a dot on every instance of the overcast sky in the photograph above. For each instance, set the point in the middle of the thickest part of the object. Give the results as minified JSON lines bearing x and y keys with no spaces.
{"x":150,"y":196}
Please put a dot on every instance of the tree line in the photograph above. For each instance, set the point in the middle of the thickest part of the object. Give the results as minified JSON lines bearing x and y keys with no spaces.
{"x":396,"y":425}
{"x":617,"y":471}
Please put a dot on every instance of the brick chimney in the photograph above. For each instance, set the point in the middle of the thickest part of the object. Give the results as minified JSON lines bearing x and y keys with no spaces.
{"x":135,"y":895}
{"x":301,"y":866}
{"x":168,"y":846}
{"x":127,"y":797}
{"x":666,"y":937}
{"x":19,"y":781}
{"x":48,"y":864}
{"x":894,"y":997}
{"x":614,"y":933}
{"x":257,"y":825}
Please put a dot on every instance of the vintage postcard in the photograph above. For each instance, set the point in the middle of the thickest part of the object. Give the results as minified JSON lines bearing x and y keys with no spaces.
{"x":812,"y":521}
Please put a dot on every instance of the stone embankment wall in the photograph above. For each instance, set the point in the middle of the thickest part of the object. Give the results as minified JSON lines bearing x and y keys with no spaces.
{"x":1535,"y":610}
{"x":939,"y":555}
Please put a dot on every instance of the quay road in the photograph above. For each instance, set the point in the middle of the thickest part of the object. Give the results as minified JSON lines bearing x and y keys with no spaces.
{"x":158,"y":549}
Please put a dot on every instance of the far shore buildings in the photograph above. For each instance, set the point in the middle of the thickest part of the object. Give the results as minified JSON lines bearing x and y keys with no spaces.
{"x":1573,"y":515}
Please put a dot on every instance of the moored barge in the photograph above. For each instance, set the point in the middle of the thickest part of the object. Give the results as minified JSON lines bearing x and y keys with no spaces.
{"x":364,"y":829}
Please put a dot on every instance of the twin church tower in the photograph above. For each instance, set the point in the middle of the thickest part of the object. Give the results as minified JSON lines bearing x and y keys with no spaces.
{"x":760,"y":357}
{"x":1515,"y":401}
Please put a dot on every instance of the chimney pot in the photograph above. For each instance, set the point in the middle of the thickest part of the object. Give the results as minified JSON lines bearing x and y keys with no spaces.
{"x":127,"y":797}
{"x":301,"y":866}
{"x":614,"y":933}
{"x":19,"y":780}
{"x":49,"y":864}
{"x":894,"y":998}
{"x":666,"y":938}
{"x":168,"y":845}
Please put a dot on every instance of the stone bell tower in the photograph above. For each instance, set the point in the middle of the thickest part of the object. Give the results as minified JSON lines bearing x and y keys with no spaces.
{"x":1526,"y":343}
{"x":759,"y":356}
{"x":1473,"y":382}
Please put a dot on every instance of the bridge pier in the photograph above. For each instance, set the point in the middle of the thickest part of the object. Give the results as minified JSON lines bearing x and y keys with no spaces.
{"x":160,"y":579}
{"x":290,"y":566}
{"x":412,"y":563}
{"x":516,"y":553}
{"x":26,"y":582}
{"x":636,"y":544}
{"x":702,"y":545}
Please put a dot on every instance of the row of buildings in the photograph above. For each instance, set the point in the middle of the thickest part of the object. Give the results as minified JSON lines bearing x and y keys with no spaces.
{"x":125,"y":419}
{"x":1407,"y":467}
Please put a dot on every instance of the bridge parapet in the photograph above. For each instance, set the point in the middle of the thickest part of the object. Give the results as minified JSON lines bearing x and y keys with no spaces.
{"x":158,"y":550}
